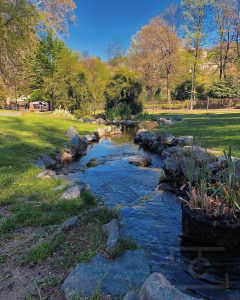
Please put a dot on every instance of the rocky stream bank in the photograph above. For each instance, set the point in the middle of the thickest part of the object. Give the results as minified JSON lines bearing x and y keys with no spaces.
{"x":129,"y":276}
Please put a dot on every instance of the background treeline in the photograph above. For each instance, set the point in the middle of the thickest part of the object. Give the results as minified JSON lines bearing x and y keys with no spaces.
{"x":186,"y":53}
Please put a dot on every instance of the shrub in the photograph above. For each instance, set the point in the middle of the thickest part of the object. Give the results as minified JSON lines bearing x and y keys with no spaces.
{"x":63,"y":114}
{"x":174,"y":105}
{"x":120,"y":111}
{"x":183,"y":91}
{"x":125,"y":89}
{"x":225,"y":89}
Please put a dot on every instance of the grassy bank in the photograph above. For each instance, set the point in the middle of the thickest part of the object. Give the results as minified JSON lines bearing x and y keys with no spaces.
{"x":30,"y":211}
{"x":215,"y":129}
{"x":28,"y":200}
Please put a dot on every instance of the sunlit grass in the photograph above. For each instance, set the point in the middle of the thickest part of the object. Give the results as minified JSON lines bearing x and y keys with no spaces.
{"x":215,"y":129}
{"x":22,"y":141}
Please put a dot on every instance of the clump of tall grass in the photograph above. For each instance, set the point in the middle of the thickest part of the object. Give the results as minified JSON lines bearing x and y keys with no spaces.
{"x":214,"y":199}
{"x":63,"y":114}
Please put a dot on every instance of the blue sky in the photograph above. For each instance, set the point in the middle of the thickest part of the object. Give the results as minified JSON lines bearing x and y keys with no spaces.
{"x":101,"y":22}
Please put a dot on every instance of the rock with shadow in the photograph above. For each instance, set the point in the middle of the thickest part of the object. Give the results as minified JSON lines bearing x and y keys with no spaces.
{"x":139,"y":160}
{"x":114,"y":277}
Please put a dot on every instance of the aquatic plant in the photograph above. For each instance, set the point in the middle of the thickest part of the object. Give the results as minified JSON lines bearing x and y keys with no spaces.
{"x":214,"y":199}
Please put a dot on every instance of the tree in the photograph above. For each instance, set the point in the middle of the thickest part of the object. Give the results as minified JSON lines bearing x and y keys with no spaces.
{"x":70,"y":84}
{"x":55,"y":14}
{"x":225,"y":89}
{"x":98,"y":74}
{"x":195,"y":13}
{"x":183,"y":91}
{"x":224,"y":11}
{"x":116,"y":53}
{"x":17,"y":34}
{"x":123,"y":88}
{"x":21,"y":23}
{"x":155,"y":51}
{"x":41,"y":66}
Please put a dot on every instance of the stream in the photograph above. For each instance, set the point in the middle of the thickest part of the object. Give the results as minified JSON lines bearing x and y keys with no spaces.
{"x":153,"y":220}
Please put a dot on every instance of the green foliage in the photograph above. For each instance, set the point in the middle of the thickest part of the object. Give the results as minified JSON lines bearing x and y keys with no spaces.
{"x":145,"y":117}
{"x":124,"y":87}
{"x":3,"y":258}
{"x":17,"y":32}
{"x":42,"y":251}
{"x":225,"y":89}
{"x":183,"y":91}
{"x":88,"y":198}
{"x":120,"y":111}
{"x":33,"y":202}
{"x":124,"y":245}
{"x":41,"y":66}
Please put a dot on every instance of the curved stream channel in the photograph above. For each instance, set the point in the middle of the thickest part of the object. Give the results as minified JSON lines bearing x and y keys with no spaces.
{"x":153,"y":220}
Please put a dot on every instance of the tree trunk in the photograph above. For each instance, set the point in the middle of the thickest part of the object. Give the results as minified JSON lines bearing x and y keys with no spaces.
{"x":169,"y":100}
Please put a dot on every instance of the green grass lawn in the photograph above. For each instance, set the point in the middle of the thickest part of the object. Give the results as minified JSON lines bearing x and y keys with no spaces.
{"x":212,"y":129}
{"x":31,"y":201}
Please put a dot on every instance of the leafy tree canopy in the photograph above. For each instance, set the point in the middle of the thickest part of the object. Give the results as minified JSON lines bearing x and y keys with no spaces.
{"x":124,"y":87}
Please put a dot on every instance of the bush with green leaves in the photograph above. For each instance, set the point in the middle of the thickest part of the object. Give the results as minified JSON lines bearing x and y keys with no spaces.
{"x":225,"y":89}
{"x":120,"y":111}
{"x":183,"y":91}
{"x":122,"y":94}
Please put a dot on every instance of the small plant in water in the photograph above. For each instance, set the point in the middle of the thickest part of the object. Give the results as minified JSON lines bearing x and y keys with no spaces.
{"x":220,"y":198}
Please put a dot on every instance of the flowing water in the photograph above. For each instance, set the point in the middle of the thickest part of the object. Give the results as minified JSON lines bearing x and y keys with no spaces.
{"x":153,"y":220}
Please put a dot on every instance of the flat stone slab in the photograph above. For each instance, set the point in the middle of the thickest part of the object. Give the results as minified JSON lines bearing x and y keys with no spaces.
{"x":71,"y":193}
{"x":115,"y":277}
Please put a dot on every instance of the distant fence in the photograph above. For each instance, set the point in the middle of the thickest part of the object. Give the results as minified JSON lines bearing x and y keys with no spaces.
{"x":209,"y":103}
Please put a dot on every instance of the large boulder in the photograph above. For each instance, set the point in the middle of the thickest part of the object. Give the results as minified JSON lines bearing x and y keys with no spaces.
{"x":79,"y":145}
{"x":149,"y":125}
{"x":199,"y":155}
{"x":172,"y":166}
{"x":157,"y":287}
{"x":71,"y":132}
{"x":167,"y":139}
{"x":162,"y":176}
{"x":47,"y":174}
{"x":166,"y":187}
{"x":48,"y":161}
{"x":112,"y":130}
{"x":172,"y":152}
{"x":184,"y":140}
{"x":100,"y":121}
{"x":40,"y":164}
{"x":115,"y":277}
{"x":89,"y":139}
{"x":163,"y":121}
{"x":67,"y":155}
{"x":139,"y":160}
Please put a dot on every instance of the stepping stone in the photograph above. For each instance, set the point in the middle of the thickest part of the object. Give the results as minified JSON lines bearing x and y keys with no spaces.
{"x":115,"y":277}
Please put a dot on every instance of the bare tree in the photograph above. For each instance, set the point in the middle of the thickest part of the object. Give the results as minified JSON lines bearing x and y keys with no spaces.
{"x":237,"y":27}
{"x":195,"y":13}
{"x":115,"y":52}
{"x":224,"y":12}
